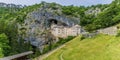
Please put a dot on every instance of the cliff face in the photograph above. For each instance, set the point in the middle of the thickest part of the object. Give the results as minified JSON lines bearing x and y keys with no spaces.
{"x":36,"y":27}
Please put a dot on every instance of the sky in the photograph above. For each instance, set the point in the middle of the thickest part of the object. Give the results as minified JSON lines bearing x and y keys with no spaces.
{"x":62,"y":2}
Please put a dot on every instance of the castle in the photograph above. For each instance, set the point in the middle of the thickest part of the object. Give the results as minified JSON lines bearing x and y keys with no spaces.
{"x":65,"y":31}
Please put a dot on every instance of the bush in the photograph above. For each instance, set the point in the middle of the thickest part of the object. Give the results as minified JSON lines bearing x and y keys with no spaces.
{"x":82,"y":37}
{"x":118,"y":33}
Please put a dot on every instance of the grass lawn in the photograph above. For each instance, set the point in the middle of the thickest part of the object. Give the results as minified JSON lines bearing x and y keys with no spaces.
{"x":101,"y":47}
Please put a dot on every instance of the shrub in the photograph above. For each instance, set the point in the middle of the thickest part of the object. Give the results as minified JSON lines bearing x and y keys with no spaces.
{"x":82,"y":37}
{"x":118,"y":33}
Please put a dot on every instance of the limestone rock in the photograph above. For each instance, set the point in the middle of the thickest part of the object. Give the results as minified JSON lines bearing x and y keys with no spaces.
{"x":38,"y":22}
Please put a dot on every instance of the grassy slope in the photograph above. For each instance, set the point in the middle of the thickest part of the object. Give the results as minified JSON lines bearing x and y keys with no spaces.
{"x":101,"y":47}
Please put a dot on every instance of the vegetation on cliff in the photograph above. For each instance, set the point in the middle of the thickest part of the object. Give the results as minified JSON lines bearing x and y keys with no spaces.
{"x":9,"y":19}
{"x":108,"y":16}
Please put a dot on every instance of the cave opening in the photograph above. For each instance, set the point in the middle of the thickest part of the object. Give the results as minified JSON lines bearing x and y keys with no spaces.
{"x":53,"y":21}
{"x":56,"y":22}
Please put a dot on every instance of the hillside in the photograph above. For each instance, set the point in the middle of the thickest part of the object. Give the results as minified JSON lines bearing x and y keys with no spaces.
{"x":28,"y":28}
{"x":108,"y":16}
{"x":101,"y":47}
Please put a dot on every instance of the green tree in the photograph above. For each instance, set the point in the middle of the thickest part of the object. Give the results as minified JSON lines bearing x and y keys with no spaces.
{"x":4,"y":45}
{"x":1,"y":51}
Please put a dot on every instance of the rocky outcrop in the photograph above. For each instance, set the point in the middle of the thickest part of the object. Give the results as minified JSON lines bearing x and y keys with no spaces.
{"x":36,"y":27}
{"x":93,"y":11}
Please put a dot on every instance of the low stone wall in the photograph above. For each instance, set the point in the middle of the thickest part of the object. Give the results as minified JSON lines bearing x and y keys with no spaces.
{"x":110,"y":30}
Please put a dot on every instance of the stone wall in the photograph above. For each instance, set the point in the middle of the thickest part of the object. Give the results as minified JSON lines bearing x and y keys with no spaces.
{"x":110,"y":30}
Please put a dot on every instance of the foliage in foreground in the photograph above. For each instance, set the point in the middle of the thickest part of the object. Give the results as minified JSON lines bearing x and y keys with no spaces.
{"x":4,"y":47}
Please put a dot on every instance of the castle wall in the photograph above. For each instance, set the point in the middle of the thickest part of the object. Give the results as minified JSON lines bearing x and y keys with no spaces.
{"x":63,"y":32}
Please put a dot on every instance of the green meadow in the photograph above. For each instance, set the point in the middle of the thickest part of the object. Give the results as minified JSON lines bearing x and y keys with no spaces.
{"x":100,"y":47}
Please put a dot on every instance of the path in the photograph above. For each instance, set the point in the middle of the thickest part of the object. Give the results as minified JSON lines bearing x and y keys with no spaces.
{"x":61,"y":56}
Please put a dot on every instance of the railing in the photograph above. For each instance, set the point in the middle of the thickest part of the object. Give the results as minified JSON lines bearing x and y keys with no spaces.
{"x":20,"y":56}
